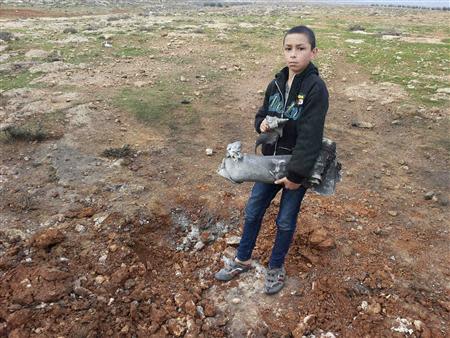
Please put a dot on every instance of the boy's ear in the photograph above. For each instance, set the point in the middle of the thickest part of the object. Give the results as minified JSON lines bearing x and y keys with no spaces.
{"x":314,"y":52}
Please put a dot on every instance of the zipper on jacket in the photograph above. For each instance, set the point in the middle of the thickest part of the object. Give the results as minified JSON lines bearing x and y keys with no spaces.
{"x":282,"y":113}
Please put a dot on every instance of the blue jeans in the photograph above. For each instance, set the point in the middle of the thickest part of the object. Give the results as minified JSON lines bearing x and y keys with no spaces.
{"x":260,"y":198}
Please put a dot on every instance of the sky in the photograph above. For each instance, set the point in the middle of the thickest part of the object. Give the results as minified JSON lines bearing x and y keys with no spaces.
{"x":425,"y":3}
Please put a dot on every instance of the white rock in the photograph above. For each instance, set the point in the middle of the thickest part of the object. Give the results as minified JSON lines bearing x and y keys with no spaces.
{"x":80,"y":228}
{"x":443,"y":90}
{"x":236,"y":300}
{"x":233,"y":240}
{"x":355,"y":41}
{"x":209,"y":151}
{"x":364,"y":305}
{"x":36,"y":53}
{"x":199,"y":245}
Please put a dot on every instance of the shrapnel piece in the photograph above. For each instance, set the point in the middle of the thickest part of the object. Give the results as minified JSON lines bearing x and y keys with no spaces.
{"x":238,"y":167}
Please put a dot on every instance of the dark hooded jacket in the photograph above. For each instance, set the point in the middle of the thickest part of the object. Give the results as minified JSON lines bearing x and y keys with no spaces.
{"x":306,"y":108}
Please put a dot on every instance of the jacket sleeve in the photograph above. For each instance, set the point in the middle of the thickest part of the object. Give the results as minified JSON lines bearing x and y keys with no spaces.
{"x":309,"y":134}
{"x":262,"y":112}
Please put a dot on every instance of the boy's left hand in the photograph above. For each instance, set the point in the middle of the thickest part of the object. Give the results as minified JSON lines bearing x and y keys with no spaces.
{"x":288,"y":184}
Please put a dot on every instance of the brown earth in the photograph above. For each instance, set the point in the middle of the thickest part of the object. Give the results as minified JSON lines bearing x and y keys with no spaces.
{"x":93,"y":246}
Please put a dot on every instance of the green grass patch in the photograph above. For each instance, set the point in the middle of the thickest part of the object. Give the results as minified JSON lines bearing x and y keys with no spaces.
{"x":404,"y":63}
{"x":17,"y":80}
{"x":159,"y":105}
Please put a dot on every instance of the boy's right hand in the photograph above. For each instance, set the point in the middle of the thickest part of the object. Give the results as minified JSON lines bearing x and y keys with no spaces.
{"x":264,"y":127}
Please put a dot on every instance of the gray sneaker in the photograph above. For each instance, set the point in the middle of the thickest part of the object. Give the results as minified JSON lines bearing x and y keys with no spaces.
{"x":231,"y":270}
{"x":274,"y":280}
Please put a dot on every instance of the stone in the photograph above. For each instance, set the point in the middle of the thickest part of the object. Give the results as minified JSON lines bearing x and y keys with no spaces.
{"x":80,"y":228}
{"x":443,"y":90}
{"x":199,"y":246}
{"x":100,"y":279}
{"x":190,"y":308}
{"x":70,"y":30}
{"x":318,"y":236}
{"x":200,"y":312}
{"x":374,"y":308}
{"x":6,"y":36}
{"x":236,"y":301}
{"x":47,"y":238}
{"x":418,"y":325}
{"x":233,"y":240}
{"x":362,"y":124}
{"x":392,"y":213}
{"x":209,"y":151}
{"x":429,"y":195}
{"x":176,"y":327}
{"x":36,"y":54}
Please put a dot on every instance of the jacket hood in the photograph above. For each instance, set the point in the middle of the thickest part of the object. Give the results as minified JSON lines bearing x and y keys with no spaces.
{"x":283,"y":75}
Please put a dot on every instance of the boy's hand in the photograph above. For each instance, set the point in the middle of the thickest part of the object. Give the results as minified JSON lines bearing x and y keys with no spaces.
{"x":264,"y":127}
{"x":288,"y":184}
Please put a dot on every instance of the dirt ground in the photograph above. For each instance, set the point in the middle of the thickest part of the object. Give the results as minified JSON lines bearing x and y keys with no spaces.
{"x":124,"y":243}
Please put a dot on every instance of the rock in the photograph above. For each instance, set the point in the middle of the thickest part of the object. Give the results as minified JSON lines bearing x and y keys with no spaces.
{"x":36,"y":54}
{"x":233,"y":240}
{"x":355,"y":41}
{"x":318,"y":236}
{"x":209,"y":151}
{"x":176,"y":327}
{"x":236,"y":301}
{"x":200,"y":312}
{"x":429,"y":195}
{"x":190,"y":308}
{"x":443,"y":90}
{"x":362,"y":124}
{"x":183,"y":79}
{"x":99,"y":279}
{"x":374,"y":308}
{"x":418,"y":325}
{"x":6,"y":36}
{"x":185,"y":101}
{"x":80,"y":228}
{"x":364,"y":305}
{"x":70,"y":30}
{"x":180,"y":299}
{"x":321,"y":239}
{"x":199,"y":245}
{"x":392,"y":213}
{"x":47,"y":238}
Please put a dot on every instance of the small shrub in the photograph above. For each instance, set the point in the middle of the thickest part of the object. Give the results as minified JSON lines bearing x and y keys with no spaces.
{"x":122,"y":152}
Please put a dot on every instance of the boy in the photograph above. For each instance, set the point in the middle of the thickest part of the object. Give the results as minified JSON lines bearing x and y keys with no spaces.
{"x":297,"y":93}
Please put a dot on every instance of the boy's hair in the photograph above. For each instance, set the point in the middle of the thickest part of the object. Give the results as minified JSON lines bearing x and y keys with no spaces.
{"x":303,"y":30}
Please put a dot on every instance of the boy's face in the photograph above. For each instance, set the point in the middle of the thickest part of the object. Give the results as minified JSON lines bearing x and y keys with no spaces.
{"x":298,"y":52}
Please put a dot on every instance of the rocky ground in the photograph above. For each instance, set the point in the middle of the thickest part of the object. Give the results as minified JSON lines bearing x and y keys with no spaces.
{"x":113,"y":219}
